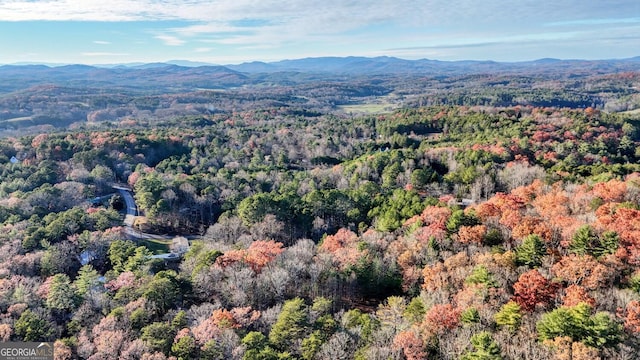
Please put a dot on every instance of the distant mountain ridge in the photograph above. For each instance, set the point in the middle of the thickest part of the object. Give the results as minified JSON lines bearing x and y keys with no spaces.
{"x":181,"y":74}
{"x":141,"y":77}
{"x":392,"y":65}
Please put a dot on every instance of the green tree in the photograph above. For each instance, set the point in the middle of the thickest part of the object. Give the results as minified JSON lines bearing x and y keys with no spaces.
{"x":116,"y":202}
{"x":212,"y":350}
{"x":61,"y":225}
{"x":158,"y":336}
{"x":459,"y":218}
{"x":509,"y":316}
{"x":609,"y":242}
{"x":255,"y":340}
{"x":104,"y":219}
{"x":390,"y":174}
{"x":397,"y":208}
{"x":87,"y":279}
{"x":577,"y":323}
{"x":254,"y":208}
{"x":470,"y":316}
{"x":179,"y":321}
{"x":257,"y":348}
{"x":485,"y":348}
{"x":33,"y":327}
{"x":376,"y":278}
{"x":530,"y":252}
{"x":119,"y":253}
{"x":148,"y":189}
{"x":62,"y":295}
{"x":422,"y":177}
{"x":139,"y":318}
{"x":415,"y":310}
{"x":311,"y":345}
{"x":326,"y":325}
{"x":480,"y":275}
{"x":356,"y":319}
{"x":291,"y":324}
{"x":163,"y":291}
{"x":185,"y":348}
{"x":141,"y":257}
{"x":585,"y":241}
{"x":321,"y":305}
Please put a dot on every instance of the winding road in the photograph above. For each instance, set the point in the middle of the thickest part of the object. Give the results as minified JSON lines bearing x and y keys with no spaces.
{"x":132,"y":212}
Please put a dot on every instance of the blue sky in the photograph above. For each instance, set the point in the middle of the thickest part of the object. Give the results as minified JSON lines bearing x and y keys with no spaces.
{"x":235,"y":31}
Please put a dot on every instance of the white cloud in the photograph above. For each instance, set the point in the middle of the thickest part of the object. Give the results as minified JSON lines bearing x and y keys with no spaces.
{"x":272,"y":24}
{"x":343,"y":12}
{"x":93,"y":54}
{"x":203,"y":49}
{"x":101,"y":42}
{"x":170,"y":40}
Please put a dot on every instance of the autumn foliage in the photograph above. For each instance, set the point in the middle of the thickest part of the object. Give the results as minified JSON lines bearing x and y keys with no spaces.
{"x":257,"y":256}
{"x":532,"y":290}
{"x":441,"y":318}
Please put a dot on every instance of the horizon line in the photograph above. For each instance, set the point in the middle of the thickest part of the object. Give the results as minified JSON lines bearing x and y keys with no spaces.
{"x":206,"y":63}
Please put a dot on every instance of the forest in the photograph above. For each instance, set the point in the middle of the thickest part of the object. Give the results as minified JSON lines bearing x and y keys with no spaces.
{"x":458,"y":225}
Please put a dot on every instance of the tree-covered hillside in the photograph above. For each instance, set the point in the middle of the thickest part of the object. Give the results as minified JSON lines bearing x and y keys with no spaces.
{"x":440,"y":232}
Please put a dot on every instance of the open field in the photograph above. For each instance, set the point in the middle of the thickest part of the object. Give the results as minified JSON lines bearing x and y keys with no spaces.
{"x":156,"y":246}
{"x":367,"y":108}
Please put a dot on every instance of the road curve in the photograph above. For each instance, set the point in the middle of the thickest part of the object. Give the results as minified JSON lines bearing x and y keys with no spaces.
{"x":132,"y":212}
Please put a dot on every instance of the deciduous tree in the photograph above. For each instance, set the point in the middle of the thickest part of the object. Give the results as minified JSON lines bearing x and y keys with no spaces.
{"x":532,"y":290}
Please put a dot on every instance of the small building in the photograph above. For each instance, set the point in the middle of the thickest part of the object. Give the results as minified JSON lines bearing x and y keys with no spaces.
{"x":87,"y":256}
{"x":179,"y":245}
{"x":166,"y":257}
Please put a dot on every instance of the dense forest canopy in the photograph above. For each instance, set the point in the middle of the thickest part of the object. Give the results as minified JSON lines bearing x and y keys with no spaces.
{"x":494,"y":224}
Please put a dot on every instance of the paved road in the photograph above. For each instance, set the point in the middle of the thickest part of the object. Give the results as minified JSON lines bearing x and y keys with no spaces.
{"x":132,"y":209}
{"x":132,"y":212}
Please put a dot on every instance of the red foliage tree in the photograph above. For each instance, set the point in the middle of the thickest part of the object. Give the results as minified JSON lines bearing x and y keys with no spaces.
{"x":126,"y":279}
{"x":610,"y":191}
{"x":509,"y":206}
{"x":582,"y":270}
{"x":411,"y":345}
{"x":632,"y":317}
{"x":260,"y":253}
{"x":472,"y":234}
{"x":450,"y":274}
{"x":487,"y":210}
{"x":441,"y":318}
{"x":5,"y":332}
{"x":205,"y":331}
{"x":625,"y":222}
{"x":257,"y":256}
{"x":343,"y":238}
{"x":532,"y":290}
{"x":343,"y":246}
{"x":553,"y":205}
{"x":575,"y":295}
{"x":532,"y":225}
{"x":231,"y":257}
{"x":245,"y":316}
{"x":224,"y":319}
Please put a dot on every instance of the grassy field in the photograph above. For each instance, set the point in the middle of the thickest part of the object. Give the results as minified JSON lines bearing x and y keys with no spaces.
{"x":366,"y":108}
{"x":156,"y":246}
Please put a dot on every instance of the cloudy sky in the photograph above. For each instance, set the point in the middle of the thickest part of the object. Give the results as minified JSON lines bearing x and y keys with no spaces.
{"x":234,"y":31}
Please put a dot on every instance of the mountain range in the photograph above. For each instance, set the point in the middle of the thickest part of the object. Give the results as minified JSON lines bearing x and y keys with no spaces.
{"x":181,"y":74}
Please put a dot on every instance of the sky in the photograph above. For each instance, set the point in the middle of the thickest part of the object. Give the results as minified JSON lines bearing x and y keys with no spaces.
{"x":236,"y":31}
